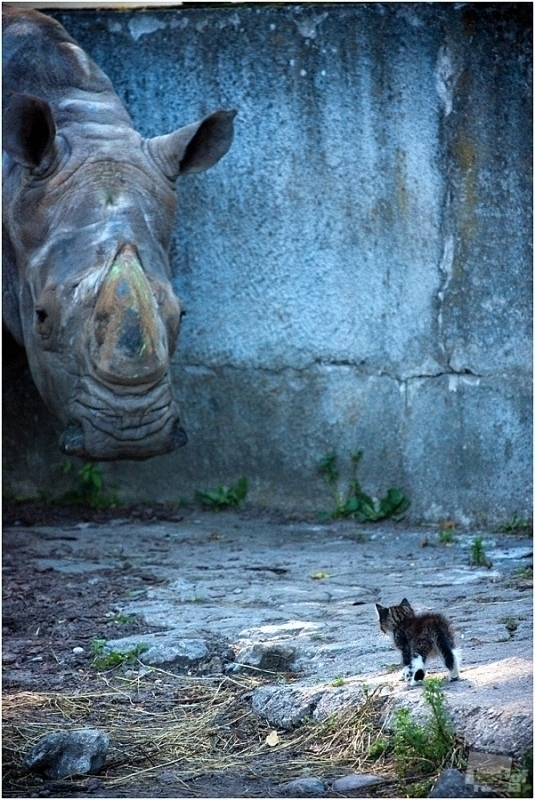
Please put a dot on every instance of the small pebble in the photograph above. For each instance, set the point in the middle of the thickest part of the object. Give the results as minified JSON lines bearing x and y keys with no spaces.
{"x":166,"y":777}
{"x":78,"y":650}
{"x":304,"y":786}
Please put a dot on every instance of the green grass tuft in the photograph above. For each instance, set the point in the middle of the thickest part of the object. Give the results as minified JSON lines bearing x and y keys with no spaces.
{"x":224,"y":496}
{"x":357,"y":504}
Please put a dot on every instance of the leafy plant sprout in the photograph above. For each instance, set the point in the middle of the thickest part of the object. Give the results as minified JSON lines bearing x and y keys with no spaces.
{"x":224,"y":496}
{"x":90,"y":490}
{"x":357,"y":503}
{"x":478,"y":557}
{"x":445,"y":536}
{"x":106,"y":660}
{"x":339,"y":680}
{"x":515,"y":525}
{"x":423,"y":749}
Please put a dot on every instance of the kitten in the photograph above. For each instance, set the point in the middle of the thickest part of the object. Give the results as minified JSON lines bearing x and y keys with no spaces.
{"x":419,"y":637}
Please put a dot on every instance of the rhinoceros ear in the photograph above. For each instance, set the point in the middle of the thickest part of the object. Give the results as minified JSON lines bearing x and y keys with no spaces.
{"x":195,"y":147}
{"x":28,"y":130}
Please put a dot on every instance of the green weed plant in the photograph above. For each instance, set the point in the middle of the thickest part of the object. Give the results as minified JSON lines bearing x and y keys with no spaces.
{"x":90,"y":490}
{"x":224,"y":496}
{"x":478,"y":557}
{"x":108,"y":660}
{"x":424,"y":749}
{"x":521,"y":780}
{"x":446,"y":536}
{"x":515,"y":525}
{"x":357,"y":504}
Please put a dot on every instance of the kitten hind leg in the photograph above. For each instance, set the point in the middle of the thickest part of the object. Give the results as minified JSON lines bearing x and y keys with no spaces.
{"x":406,"y":657}
{"x":417,"y":670}
{"x":455,"y":670}
{"x":451,"y":656}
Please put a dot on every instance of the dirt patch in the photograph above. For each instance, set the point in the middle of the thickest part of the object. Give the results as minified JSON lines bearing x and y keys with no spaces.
{"x":30,"y":513}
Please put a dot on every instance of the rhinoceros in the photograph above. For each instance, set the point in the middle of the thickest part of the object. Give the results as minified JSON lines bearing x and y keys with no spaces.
{"x":88,"y":212}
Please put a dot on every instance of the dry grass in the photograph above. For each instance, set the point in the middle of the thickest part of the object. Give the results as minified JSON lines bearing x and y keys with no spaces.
{"x":203,"y":725}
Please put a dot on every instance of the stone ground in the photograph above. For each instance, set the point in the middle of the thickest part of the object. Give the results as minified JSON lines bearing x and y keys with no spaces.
{"x":246,"y":593}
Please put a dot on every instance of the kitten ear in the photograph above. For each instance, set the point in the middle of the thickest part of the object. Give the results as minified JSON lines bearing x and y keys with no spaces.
{"x":405,"y":602}
{"x":379,"y":608}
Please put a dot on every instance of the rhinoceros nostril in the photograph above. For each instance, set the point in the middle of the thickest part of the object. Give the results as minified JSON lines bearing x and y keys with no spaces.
{"x":178,"y":436}
{"x":72,"y":440}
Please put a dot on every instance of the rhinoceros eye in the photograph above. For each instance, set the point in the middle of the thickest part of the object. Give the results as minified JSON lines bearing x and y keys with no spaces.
{"x":44,"y":323}
{"x":47,"y":317}
{"x":41,"y":315}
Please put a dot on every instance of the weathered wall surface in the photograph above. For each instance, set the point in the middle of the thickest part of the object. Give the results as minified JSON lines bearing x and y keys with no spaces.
{"x":357,"y":270}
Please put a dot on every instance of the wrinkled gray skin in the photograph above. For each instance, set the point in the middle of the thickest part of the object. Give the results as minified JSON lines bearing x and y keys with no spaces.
{"x":87,"y":218}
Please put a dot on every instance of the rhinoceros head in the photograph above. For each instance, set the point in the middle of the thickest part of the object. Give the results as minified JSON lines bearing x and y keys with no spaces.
{"x":87,"y":225}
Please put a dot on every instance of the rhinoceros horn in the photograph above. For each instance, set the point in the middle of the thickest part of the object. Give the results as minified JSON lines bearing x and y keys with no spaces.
{"x":127,"y":338}
{"x":195,"y":147}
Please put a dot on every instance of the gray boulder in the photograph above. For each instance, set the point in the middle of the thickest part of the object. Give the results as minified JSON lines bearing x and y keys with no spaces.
{"x":64,"y":753}
{"x":286,"y":706}
{"x":162,"y":648}
{"x":451,"y":784}
{"x":266,"y":656}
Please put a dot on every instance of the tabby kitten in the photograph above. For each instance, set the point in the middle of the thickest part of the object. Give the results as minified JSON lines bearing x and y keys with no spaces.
{"x":419,"y":637}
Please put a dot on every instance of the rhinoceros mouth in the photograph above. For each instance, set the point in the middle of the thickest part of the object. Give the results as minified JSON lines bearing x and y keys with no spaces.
{"x":106,"y":426}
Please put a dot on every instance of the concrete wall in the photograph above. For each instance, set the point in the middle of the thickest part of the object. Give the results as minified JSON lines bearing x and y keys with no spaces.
{"x":357,"y":270}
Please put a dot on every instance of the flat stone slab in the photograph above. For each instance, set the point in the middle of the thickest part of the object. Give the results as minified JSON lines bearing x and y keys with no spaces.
{"x":300,"y":596}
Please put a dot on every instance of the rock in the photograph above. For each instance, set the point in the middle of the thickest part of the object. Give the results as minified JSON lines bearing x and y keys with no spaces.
{"x":334,"y":700}
{"x":161,"y":648}
{"x":64,"y":753}
{"x":451,"y":784}
{"x":303,"y":787}
{"x":503,"y":728}
{"x":214,"y":666}
{"x":286,"y":706}
{"x":264,"y":656}
{"x":350,"y":782}
{"x":167,"y":777}
{"x":9,"y":658}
